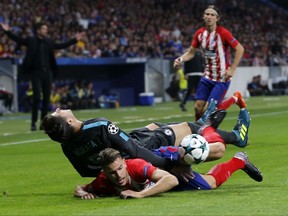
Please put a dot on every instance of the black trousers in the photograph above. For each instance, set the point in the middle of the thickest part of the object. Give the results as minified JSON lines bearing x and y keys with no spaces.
{"x":41,"y":86}
{"x":193,"y":82}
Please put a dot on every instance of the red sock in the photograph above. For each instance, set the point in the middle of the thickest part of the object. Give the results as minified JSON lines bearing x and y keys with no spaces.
{"x":211,"y":136}
{"x":227,"y":103}
{"x":223,"y":171}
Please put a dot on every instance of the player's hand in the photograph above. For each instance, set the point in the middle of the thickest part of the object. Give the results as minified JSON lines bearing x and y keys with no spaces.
{"x":89,"y":196}
{"x":80,"y":192}
{"x":183,"y":172}
{"x":129,"y":194}
{"x":228,"y":74}
{"x":177,"y":61}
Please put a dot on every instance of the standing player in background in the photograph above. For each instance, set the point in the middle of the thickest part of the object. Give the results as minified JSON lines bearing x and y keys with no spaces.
{"x":215,"y":41}
{"x":193,"y":70}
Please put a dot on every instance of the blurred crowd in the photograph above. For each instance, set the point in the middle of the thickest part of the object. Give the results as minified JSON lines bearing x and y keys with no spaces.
{"x":65,"y":94}
{"x":147,"y":28}
{"x":72,"y":94}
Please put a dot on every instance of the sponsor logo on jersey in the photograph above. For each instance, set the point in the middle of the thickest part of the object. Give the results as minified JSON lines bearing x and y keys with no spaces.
{"x":168,"y":132}
{"x":113,"y":129}
{"x":210,"y":53}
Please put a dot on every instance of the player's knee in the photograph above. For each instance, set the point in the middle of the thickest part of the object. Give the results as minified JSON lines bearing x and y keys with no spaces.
{"x":220,"y":150}
{"x":217,"y":151}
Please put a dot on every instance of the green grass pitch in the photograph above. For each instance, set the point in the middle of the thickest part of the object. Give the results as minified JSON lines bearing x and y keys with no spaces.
{"x":37,"y":179}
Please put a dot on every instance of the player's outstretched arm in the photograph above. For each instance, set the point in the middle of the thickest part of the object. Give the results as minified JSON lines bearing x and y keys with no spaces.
{"x":185,"y":57}
{"x":81,"y":193}
{"x":164,"y":182}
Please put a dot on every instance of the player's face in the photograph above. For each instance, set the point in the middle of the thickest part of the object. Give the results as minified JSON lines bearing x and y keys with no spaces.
{"x":65,"y":113}
{"x":117,"y":172}
{"x":210,"y":17}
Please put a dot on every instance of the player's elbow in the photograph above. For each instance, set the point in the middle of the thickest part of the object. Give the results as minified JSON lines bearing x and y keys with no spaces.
{"x":240,"y":49}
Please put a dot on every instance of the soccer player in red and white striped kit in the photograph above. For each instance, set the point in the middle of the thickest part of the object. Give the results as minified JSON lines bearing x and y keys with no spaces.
{"x":215,"y":41}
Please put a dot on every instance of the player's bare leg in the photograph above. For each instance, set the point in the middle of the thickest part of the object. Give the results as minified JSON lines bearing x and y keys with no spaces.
{"x":181,"y":130}
{"x":216,"y":151}
{"x":199,"y":107}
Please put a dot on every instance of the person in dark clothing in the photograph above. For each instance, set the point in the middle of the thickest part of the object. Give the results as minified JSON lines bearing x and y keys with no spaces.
{"x":7,"y":98}
{"x":257,"y":87}
{"x":193,"y":70}
{"x":173,"y":88}
{"x":40,"y":64}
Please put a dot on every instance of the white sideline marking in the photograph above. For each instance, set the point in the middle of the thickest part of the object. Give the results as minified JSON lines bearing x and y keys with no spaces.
{"x":137,"y":120}
{"x":23,"y":142}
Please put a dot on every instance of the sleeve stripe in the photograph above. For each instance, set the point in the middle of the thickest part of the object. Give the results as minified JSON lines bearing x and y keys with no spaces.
{"x":96,"y":124}
{"x":146,"y":171}
{"x":124,"y":136}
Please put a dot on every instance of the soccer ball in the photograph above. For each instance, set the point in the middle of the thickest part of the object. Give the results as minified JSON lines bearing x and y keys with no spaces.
{"x":196,"y":148}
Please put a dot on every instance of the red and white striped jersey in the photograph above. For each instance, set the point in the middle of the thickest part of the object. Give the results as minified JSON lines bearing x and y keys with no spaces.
{"x":215,"y":46}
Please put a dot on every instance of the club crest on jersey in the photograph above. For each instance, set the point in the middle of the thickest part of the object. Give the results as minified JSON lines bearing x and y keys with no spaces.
{"x":168,"y":132}
{"x":113,"y":129}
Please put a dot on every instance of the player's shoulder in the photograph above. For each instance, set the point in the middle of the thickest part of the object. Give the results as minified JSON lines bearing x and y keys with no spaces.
{"x":139,"y":168}
{"x":200,"y":30}
{"x":100,"y":120}
{"x":95,"y":123}
{"x":222,"y":30}
{"x":135,"y":162}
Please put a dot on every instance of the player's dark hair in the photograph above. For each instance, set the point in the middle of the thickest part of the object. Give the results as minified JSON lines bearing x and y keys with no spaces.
{"x":108,"y":156}
{"x":214,"y":8}
{"x":57,"y":128}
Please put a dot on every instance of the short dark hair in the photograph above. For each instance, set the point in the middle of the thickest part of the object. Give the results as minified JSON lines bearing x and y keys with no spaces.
{"x":57,"y":128}
{"x":108,"y":156}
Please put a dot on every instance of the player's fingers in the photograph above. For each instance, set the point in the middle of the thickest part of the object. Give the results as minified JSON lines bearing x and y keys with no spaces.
{"x":122,"y":196}
{"x":190,"y":175}
{"x":177,"y":61}
{"x":125,"y":196}
{"x":88,"y":196}
{"x":184,"y":178}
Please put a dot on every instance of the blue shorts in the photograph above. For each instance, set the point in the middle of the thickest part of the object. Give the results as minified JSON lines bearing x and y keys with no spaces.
{"x":197,"y":183}
{"x":208,"y":89}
